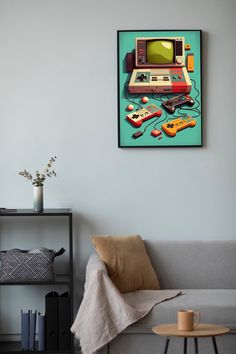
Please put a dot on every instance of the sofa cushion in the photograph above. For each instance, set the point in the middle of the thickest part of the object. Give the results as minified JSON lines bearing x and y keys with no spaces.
{"x":127,"y":262}
{"x":216,"y":306}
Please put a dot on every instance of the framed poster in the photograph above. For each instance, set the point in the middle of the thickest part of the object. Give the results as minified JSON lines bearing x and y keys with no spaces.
{"x":159,"y":88}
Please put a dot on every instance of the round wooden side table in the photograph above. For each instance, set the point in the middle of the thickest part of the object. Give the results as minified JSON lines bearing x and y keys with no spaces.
{"x":202,"y":330}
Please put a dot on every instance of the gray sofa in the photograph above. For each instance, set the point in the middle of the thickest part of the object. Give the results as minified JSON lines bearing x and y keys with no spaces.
{"x":205,"y":271}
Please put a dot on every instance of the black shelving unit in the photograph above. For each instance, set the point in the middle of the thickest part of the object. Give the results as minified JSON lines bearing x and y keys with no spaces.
{"x":65,"y":279}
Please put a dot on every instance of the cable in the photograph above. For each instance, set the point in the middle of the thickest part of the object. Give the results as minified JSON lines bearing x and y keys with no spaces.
{"x":198,"y":92}
{"x":133,"y":98}
{"x":154,"y":127}
{"x":150,"y":124}
{"x":182,"y":110}
{"x":163,"y":120}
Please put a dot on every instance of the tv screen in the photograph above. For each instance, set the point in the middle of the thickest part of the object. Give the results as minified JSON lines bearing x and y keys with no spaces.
{"x":160,"y":52}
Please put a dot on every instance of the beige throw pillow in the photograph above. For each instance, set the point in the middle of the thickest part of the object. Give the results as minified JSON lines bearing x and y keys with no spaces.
{"x":127,"y":262}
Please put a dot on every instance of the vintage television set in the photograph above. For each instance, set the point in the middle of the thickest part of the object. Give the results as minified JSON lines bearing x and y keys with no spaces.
{"x":159,"y":66}
{"x":159,"y":52}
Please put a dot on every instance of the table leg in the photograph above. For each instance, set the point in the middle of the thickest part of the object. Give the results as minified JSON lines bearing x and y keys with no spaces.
{"x":215,"y":345}
{"x":196,"y":345}
{"x":185,"y":345}
{"x":167,"y":345}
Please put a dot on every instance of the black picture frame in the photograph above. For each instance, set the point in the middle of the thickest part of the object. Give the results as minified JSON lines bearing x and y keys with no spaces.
{"x":190,"y":114}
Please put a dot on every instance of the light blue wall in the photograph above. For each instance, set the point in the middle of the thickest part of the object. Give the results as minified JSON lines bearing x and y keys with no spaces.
{"x":58,"y":96}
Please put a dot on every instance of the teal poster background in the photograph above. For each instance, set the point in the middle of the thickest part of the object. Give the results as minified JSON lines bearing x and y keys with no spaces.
{"x":190,"y":136}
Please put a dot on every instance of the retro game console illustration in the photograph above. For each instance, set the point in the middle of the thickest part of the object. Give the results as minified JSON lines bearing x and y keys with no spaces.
{"x":158,"y":66}
{"x":159,"y":88}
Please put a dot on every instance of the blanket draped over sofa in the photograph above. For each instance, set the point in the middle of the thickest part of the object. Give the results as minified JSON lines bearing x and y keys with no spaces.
{"x":105,"y":312}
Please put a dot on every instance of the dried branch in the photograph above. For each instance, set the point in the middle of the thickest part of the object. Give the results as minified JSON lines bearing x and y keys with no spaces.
{"x":40,"y":177}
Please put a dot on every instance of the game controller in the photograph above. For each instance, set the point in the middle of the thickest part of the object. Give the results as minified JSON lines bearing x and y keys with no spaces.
{"x":177,"y":101}
{"x":180,"y":123}
{"x":138,"y":117}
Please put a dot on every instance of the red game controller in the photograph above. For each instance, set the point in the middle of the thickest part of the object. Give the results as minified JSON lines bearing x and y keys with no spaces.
{"x":138,"y":117}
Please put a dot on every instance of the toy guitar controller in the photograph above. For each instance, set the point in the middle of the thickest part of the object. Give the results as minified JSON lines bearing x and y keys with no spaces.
{"x":138,"y":117}
{"x":171,"y":128}
{"x":177,"y":101}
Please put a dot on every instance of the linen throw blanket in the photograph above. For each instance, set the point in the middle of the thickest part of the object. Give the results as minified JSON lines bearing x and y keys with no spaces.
{"x":105,"y":312}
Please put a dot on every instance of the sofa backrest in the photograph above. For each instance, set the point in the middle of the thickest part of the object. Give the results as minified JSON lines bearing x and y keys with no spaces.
{"x":194,"y":264}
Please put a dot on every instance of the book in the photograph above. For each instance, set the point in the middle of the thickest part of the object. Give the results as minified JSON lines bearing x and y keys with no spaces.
{"x":25,"y":322}
{"x":51,"y":320}
{"x":41,"y":332}
{"x":64,"y":322}
{"x":6,"y":210}
{"x":32,"y":329}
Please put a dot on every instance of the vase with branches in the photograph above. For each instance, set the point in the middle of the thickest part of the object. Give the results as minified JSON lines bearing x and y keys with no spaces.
{"x":38,"y":182}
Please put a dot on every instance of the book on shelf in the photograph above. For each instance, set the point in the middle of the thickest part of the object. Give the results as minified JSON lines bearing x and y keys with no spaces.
{"x":53,"y":327}
{"x":28,"y":330}
{"x":64,"y":336}
{"x":32,"y":329}
{"x":41,"y":332}
{"x":51,"y":320}
{"x":25,"y":323}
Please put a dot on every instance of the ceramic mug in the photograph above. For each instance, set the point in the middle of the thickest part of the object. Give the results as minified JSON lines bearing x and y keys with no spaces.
{"x":186,"y":320}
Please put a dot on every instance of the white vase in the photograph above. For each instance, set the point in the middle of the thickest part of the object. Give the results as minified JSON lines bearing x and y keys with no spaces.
{"x":38,"y":198}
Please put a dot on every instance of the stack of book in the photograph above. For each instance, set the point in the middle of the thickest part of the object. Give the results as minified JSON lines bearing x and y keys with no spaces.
{"x":28,"y":330}
{"x":53,"y":327}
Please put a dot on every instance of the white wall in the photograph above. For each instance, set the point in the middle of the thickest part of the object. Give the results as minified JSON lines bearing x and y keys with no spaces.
{"x":58,"y":95}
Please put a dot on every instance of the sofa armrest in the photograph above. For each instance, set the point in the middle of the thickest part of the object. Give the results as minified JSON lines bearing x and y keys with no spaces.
{"x":94,"y":264}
